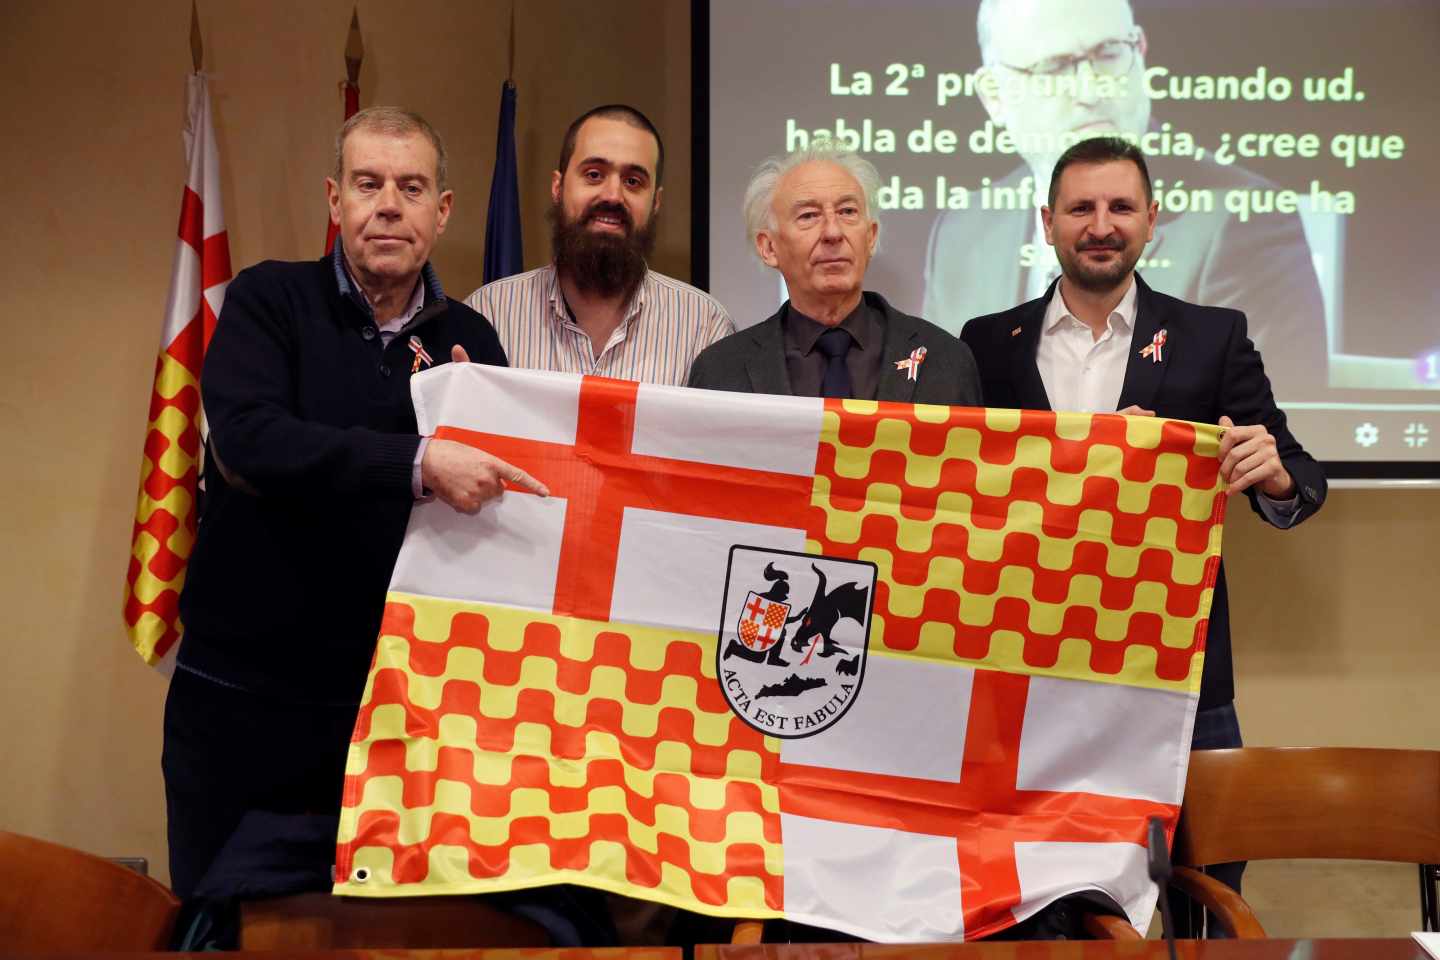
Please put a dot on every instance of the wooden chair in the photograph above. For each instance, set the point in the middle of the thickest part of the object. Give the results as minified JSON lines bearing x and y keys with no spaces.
{"x":1104,"y":926}
{"x":1305,"y":803}
{"x":56,"y":898}
{"x":321,"y":921}
{"x":748,"y":931}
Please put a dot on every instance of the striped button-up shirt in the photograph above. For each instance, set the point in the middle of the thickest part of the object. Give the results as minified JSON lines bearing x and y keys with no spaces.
{"x":667,"y":323}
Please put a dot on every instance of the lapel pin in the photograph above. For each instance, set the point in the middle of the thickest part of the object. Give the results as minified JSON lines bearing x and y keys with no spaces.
{"x":418,"y":348}
{"x":1154,"y":348}
{"x":1015,"y":332}
{"x":911,"y":364}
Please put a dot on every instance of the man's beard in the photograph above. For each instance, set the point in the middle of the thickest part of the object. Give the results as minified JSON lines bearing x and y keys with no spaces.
{"x":1102,"y":278}
{"x":604,"y":264}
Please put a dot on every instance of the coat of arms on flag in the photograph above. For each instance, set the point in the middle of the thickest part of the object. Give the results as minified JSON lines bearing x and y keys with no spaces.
{"x":907,"y":672}
{"x":793,"y":676}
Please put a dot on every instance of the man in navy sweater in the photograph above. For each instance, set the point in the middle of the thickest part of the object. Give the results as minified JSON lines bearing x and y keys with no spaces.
{"x":313,"y":463}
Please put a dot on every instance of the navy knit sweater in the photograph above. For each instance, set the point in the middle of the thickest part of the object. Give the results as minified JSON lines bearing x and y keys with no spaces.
{"x":308,"y":479}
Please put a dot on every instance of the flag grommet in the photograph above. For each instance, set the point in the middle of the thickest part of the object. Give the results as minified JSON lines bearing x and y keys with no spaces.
{"x":359,"y":875}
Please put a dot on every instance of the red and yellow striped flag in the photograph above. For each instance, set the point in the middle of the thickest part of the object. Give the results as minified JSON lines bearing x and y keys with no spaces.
{"x":908,"y":672}
{"x":165,"y":513}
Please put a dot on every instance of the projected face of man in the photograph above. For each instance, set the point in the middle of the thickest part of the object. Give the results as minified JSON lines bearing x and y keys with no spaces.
{"x":1072,"y":46}
{"x":1100,"y":223}
{"x":823,"y":236}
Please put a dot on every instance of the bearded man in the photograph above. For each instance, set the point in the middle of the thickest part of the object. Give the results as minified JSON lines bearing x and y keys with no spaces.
{"x":597,"y":308}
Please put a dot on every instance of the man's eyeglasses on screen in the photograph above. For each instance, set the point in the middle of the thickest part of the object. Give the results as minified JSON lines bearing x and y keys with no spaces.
{"x":1110,"y":58}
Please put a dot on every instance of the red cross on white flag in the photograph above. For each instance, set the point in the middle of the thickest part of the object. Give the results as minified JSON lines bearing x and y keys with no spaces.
{"x":949,"y":802}
{"x":977,"y":816}
{"x":624,"y":477}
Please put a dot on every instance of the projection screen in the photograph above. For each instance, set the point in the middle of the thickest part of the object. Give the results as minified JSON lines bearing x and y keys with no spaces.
{"x":1292,"y":146}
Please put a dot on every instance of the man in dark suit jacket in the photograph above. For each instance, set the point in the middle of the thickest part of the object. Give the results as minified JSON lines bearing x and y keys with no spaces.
{"x":1100,"y":339}
{"x":809,"y":216}
{"x":973,"y":266}
{"x":983,"y":258}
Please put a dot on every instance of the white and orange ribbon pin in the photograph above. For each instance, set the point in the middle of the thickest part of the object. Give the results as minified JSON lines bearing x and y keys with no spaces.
{"x":418,"y":348}
{"x":1154,"y":347}
{"x":911,"y":364}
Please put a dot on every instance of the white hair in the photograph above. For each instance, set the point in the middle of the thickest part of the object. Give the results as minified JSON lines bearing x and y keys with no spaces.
{"x":760,"y":193}
{"x":983,"y":30}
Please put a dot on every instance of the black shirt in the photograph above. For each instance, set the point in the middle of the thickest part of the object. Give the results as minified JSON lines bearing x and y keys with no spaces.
{"x":805,"y":364}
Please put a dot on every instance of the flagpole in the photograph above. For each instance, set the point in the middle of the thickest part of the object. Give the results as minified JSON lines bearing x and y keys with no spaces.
{"x":354,"y":52}
{"x":504,"y":248}
{"x":354,"y":56}
{"x":197,"y":45}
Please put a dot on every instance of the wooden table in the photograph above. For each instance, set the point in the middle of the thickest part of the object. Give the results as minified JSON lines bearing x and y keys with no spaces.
{"x":1396,"y":949}
{"x":394,"y":953}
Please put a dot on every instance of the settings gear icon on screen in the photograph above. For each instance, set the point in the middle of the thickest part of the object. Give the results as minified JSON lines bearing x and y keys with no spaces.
{"x":1367,"y":434}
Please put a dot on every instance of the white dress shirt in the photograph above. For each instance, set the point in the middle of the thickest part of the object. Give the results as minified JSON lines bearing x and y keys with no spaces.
{"x":1080,"y":372}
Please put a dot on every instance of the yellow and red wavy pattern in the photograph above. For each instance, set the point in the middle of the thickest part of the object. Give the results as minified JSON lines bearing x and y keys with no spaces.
{"x":1060,"y":544}
{"x":571,"y":747}
{"x":164,"y":530}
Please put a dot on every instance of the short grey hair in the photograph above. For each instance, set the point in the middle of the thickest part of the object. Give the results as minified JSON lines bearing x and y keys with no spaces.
{"x":395,"y":122}
{"x":760,"y":193}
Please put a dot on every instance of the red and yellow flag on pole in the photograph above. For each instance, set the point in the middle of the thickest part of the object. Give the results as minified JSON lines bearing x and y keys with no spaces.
{"x":907,"y":672}
{"x":165,"y":513}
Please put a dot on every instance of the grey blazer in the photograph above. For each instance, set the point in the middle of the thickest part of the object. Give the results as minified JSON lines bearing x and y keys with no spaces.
{"x":753,"y":361}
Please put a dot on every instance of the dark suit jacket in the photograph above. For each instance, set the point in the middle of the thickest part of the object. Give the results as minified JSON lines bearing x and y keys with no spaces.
{"x":753,"y":361}
{"x":1210,"y":369}
{"x":1261,"y":266}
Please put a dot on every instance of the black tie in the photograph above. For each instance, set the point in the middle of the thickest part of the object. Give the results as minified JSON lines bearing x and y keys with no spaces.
{"x":835,"y":343}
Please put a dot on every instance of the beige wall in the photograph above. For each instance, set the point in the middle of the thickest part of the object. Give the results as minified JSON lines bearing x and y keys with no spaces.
{"x":1335,"y":622}
{"x":93,"y":169}
{"x":1334,"y":629}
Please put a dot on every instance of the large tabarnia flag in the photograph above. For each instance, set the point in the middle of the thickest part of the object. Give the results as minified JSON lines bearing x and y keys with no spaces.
{"x":165,"y":514}
{"x":907,"y":672}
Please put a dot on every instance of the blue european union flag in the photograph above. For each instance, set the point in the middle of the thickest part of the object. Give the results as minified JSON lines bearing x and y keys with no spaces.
{"x":504,"y":252}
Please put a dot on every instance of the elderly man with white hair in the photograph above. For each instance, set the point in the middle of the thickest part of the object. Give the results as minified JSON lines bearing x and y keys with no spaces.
{"x":809,"y":216}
